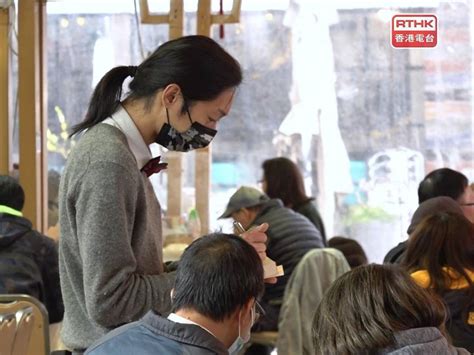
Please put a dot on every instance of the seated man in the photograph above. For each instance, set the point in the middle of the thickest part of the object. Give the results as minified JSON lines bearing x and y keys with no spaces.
{"x":214,"y":298}
{"x":290,"y":236}
{"x":440,"y":182}
{"x":28,"y":259}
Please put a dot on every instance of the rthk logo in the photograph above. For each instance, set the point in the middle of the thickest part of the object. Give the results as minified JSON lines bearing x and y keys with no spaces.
{"x":414,"y":30}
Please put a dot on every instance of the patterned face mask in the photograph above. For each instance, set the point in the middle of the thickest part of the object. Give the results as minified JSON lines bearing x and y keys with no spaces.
{"x":197,"y":136}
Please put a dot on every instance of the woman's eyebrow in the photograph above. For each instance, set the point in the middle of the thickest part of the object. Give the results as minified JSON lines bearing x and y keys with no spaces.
{"x":222,"y":113}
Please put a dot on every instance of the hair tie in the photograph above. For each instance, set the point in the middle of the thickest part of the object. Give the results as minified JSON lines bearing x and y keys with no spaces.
{"x":132,"y":70}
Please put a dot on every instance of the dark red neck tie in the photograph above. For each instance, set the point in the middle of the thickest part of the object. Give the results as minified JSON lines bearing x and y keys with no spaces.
{"x":154,"y":166}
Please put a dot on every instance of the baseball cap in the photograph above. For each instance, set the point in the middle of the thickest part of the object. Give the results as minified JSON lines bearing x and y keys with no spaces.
{"x":244,"y":197}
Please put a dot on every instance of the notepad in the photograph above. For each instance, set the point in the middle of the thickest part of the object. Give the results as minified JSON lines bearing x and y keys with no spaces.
{"x":271,"y":269}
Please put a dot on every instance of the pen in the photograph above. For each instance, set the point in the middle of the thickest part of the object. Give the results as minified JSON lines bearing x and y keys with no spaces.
{"x":238,"y":227}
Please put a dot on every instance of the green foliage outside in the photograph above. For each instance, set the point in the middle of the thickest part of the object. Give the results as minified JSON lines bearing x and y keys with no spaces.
{"x":359,"y":214}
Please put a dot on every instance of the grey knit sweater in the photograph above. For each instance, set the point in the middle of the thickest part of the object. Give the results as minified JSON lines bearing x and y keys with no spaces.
{"x":110,"y":250}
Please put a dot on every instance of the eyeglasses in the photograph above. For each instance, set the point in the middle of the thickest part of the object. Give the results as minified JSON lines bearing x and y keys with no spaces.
{"x":258,"y":310}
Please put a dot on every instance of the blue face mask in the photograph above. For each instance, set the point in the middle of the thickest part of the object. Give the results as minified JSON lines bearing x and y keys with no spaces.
{"x":239,"y":343}
{"x":236,"y":346}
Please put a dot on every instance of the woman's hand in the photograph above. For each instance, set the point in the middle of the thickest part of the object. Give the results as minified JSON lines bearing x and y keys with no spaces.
{"x":257,"y":238}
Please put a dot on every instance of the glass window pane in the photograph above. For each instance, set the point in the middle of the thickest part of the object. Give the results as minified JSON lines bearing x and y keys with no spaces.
{"x":364,"y":121}
{"x":323,"y":86}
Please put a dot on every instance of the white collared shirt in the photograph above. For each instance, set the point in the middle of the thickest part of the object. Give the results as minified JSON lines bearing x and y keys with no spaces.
{"x":122,"y":120}
{"x":178,"y":319}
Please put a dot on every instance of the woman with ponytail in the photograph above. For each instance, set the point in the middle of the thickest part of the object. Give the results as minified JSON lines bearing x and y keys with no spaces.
{"x":110,"y":248}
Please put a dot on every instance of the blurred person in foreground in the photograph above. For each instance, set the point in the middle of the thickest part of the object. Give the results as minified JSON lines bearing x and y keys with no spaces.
{"x":440,"y":257}
{"x":379,"y":309}
{"x":218,"y":282}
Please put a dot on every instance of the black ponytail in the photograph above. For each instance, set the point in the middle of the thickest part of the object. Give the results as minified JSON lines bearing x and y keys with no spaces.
{"x":197,"y":64}
{"x":105,"y":98}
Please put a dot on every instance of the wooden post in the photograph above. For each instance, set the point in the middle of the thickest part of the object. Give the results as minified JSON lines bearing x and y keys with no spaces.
{"x":147,"y":17}
{"x":174,"y":159}
{"x":42,"y":155}
{"x":32,"y":124}
{"x":204,"y":18}
{"x":203,"y":159}
{"x":174,"y":18}
{"x":204,"y":156}
{"x":5,"y":127}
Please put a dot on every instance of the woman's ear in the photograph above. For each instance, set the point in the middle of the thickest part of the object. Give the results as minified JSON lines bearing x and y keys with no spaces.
{"x":170,"y":95}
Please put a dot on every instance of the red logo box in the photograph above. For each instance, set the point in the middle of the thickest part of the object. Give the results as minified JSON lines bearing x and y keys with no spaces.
{"x":414,"y":31}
